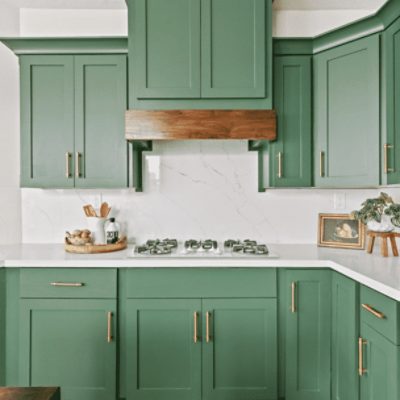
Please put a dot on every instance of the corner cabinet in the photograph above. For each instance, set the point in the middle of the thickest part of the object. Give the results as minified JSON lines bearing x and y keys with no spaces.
{"x":72,"y":121}
{"x":347,"y":115}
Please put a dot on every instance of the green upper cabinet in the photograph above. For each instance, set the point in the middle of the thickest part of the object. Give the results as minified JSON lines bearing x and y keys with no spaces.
{"x":290,"y":155}
{"x":347,"y":115}
{"x":72,"y":121}
{"x":390,"y":100}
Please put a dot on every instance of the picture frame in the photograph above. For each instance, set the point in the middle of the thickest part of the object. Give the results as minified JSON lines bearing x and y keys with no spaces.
{"x":340,"y":231}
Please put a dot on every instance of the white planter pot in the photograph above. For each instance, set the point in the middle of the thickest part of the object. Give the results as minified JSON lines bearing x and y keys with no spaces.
{"x":384,"y":226}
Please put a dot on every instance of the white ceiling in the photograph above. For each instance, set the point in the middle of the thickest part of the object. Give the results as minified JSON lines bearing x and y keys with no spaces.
{"x":328,"y":4}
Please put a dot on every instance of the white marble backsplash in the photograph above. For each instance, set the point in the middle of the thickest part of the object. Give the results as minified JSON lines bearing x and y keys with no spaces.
{"x":197,"y":189}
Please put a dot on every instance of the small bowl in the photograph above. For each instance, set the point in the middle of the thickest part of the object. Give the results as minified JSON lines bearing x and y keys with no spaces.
{"x":78,"y":241}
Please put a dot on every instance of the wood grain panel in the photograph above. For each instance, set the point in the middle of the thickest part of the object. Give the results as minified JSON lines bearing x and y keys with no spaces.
{"x":39,"y":393}
{"x":200,"y":124}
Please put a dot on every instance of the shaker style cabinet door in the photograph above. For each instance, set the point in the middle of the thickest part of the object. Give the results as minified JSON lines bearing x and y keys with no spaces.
{"x":66,"y":343}
{"x":347,"y":115}
{"x":100,"y":156}
{"x":239,"y":349}
{"x":165,"y":48}
{"x":47,"y":121}
{"x":163,"y":349}
{"x":291,"y":155}
{"x":308,"y":332}
{"x":2,"y":327}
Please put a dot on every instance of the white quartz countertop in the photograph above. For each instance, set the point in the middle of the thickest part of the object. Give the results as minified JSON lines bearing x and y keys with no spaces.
{"x":381,"y":274}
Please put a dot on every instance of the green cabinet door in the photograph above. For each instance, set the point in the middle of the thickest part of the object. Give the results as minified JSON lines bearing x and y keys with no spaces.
{"x":381,"y":362}
{"x":290,"y":155}
{"x":307,"y":296}
{"x":65,"y":343}
{"x":390,"y":100}
{"x":347,"y":115}
{"x":47,"y":120}
{"x":345,"y":331}
{"x":100,"y":104}
{"x":164,"y":44}
{"x":234,"y":48}
{"x":240,"y":350}
{"x":163,"y":360}
{"x":2,"y":327}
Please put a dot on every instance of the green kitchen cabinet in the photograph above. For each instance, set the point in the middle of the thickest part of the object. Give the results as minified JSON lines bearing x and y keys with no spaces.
{"x":345,"y":332}
{"x":307,"y":303}
{"x":72,"y":121}
{"x":390,"y":100}
{"x":347,"y":115}
{"x":2,"y":327}
{"x":291,"y":155}
{"x":67,"y":343}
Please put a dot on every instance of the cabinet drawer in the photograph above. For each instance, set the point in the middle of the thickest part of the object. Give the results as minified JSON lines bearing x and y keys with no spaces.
{"x":63,"y":283}
{"x":381,"y":313}
{"x":201,"y":282}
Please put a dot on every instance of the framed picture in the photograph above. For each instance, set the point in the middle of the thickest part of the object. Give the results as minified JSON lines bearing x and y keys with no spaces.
{"x":341,"y":231}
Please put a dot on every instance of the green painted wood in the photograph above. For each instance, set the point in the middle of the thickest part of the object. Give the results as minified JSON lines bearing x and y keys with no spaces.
{"x":345,"y":331}
{"x":47,"y":120}
{"x":165,"y":47}
{"x":382,"y":362}
{"x":390,"y":100}
{"x":97,"y":283}
{"x":2,"y":327}
{"x":100,"y":104}
{"x":346,"y":116}
{"x":293,"y":46}
{"x":136,"y":149}
{"x":308,"y":335}
{"x":292,"y":102}
{"x":282,"y":310}
{"x":233,"y":58}
{"x":163,"y":361}
{"x":240,"y":360}
{"x":64,"y":343}
{"x":260,"y":146}
{"x":201,"y":282}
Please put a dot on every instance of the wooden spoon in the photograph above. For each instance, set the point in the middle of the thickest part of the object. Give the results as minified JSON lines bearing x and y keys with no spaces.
{"x":104,"y":209}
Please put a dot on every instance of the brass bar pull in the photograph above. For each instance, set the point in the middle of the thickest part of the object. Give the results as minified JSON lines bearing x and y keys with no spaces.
{"x":361,"y":343}
{"x":293,"y":305}
{"x":109,"y":327}
{"x":370,"y":309}
{"x":78,"y":164}
{"x":208,"y":337}
{"x":68,"y":165}
{"x":67,"y":284}
{"x":280,"y":174}
{"x":321,"y":164}
{"x":386,"y":168}
{"x":195,"y":336}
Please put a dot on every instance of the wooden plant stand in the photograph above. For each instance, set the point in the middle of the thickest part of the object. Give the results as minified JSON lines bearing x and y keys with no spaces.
{"x":372,"y":235}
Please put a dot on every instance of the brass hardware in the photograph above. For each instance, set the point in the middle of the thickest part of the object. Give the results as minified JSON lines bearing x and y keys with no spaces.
{"x":68,"y":165}
{"x":208,"y":337}
{"x":67,"y":284}
{"x":321,"y":164}
{"x":293,"y":305}
{"x":109,"y":327}
{"x":280,"y":165}
{"x":195,"y":337}
{"x":386,"y":148}
{"x":361,"y":343}
{"x":78,"y":164}
{"x":374,"y":312}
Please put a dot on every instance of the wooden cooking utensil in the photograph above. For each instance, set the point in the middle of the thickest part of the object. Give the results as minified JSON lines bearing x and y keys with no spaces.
{"x":104,"y":209}
{"x":89,"y":210}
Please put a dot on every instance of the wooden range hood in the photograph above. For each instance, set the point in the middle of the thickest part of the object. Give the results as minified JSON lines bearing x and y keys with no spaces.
{"x":200,"y":124}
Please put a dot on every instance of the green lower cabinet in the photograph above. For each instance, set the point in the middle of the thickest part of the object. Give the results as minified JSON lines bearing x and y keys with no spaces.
{"x":381,"y":364}
{"x":307,"y":299}
{"x":2,"y":327}
{"x":65,"y":343}
{"x":345,"y":330}
{"x":240,"y":349}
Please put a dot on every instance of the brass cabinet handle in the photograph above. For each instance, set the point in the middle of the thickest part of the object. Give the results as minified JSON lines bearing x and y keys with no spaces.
{"x":293,"y":304}
{"x":280,"y":174}
{"x":67,"y":284}
{"x":374,"y":312}
{"x":78,"y":164}
{"x":386,"y":148}
{"x":109,"y":327}
{"x":195,"y":318}
{"x":321,"y":164}
{"x":68,"y":165}
{"x":208,"y":337}
{"x":361,"y":343}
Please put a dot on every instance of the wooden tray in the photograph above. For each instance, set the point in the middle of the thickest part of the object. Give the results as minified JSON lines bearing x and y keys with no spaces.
{"x":96,"y":248}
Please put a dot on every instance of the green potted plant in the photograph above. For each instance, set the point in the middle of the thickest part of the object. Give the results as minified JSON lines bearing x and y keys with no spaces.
{"x":381,"y":214}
